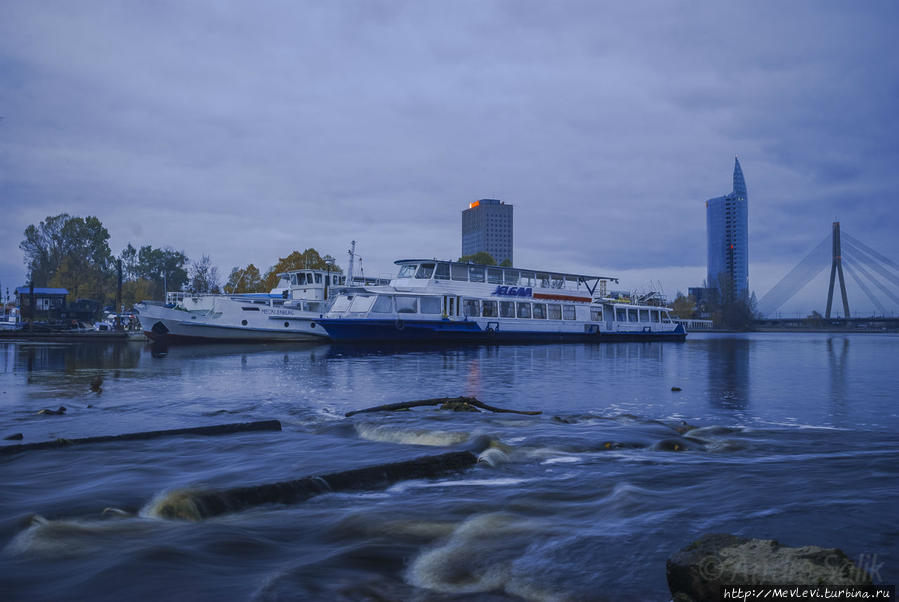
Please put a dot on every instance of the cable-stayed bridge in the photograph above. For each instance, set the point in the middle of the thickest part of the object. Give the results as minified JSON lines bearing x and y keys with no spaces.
{"x":844,"y":253}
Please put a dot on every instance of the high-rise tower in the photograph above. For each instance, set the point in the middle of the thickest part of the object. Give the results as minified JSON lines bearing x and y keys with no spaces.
{"x":727,"y":227}
{"x":487,"y":226}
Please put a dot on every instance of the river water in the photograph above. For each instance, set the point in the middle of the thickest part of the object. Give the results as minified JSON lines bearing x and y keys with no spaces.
{"x":797,"y":442}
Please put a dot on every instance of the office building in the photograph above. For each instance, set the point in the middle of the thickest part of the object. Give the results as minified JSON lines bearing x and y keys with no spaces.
{"x":487,"y":226}
{"x":727,"y":228}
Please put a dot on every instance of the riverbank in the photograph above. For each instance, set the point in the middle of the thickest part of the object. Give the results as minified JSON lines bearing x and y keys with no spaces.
{"x":69,"y":336}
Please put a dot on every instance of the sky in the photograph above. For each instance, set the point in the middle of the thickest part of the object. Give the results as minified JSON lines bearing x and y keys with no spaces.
{"x":244,"y":131}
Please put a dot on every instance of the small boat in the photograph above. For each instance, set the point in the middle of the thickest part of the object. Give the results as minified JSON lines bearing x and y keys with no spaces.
{"x":434,"y":301}
{"x":286,"y":313}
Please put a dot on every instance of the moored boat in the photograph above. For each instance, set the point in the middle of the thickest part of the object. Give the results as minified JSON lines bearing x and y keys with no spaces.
{"x":286,"y":313}
{"x":436,"y":301}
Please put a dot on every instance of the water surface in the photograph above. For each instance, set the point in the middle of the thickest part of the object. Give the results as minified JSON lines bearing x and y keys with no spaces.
{"x":798,"y":442}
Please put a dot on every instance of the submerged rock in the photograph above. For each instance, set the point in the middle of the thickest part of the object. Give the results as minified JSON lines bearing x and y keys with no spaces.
{"x":697,"y":572}
{"x":57,"y":412}
{"x":14,"y":437}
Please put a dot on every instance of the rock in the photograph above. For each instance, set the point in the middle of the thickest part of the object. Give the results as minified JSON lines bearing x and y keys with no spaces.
{"x":58,"y":412}
{"x":97,"y":383}
{"x":697,"y":572}
{"x":676,"y":389}
{"x":458,"y":406}
{"x":14,"y":437}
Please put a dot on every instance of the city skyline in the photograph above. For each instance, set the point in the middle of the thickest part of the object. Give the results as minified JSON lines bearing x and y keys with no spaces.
{"x":244,"y":136}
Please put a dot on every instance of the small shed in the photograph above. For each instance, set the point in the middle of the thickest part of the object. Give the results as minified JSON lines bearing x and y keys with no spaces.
{"x":46,"y":300}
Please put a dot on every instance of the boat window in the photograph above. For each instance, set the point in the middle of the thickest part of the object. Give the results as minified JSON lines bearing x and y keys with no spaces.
{"x":488,"y":309}
{"x":571,"y":283}
{"x":568,"y":312}
{"x":471,"y":307}
{"x":301,"y":279}
{"x":293,"y":279}
{"x":506,"y":309}
{"x":596,"y":314}
{"x":425,"y":271}
{"x":318,"y":278}
{"x":407,"y":270}
{"x":557,"y":281}
{"x":383,"y":304}
{"x":527,"y":279}
{"x":460,"y":271}
{"x":524,"y":310}
{"x":313,"y":306}
{"x":406,"y":305}
{"x":540,"y":311}
{"x":620,"y":314}
{"x":277,"y":301}
{"x":429,"y":305}
{"x":443,"y":272}
{"x":655,"y":315}
{"x":494,"y":276}
{"x":554,"y":312}
{"x":510,"y":277}
{"x":543,"y":279}
{"x":632,"y":315}
{"x":361,"y":304}
{"x":476,"y":273}
{"x":250,"y":308}
{"x":644,"y":315}
{"x":342,"y":303}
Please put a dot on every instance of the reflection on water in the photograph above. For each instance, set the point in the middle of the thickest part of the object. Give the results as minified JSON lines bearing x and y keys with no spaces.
{"x":728,"y":372}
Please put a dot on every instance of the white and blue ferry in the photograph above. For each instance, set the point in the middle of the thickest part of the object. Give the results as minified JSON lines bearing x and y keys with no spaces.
{"x":434,"y":301}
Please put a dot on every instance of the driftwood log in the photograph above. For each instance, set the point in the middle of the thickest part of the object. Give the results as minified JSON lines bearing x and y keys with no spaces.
{"x":449,"y":403}
{"x":220,"y":429}
{"x":197,"y":505}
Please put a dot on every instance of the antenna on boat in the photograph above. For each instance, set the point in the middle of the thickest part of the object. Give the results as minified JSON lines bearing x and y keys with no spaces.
{"x":352,"y":254}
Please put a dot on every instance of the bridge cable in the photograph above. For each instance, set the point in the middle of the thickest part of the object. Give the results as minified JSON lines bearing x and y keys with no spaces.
{"x":848,"y":265}
{"x":803,"y":273}
{"x":875,"y":281}
{"x":858,"y":254}
{"x":864,"y":247}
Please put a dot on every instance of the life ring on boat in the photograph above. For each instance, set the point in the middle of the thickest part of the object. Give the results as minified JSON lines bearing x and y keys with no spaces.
{"x":399,"y":324}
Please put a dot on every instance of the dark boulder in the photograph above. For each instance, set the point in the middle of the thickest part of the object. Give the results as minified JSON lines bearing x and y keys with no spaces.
{"x":697,"y":572}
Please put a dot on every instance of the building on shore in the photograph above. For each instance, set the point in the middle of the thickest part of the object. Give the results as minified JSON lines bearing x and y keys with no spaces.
{"x":727,"y":228}
{"x":487,"y":226}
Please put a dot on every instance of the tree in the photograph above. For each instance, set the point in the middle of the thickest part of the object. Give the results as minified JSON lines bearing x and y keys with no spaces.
{"x":683,"y":306}
{"x":506,"y":263}
{"x":69,"y":252}
{"x":245,"y":280}
{"x":204,"y":276}
{"x":163,"y":269}
{"x":734,"y":310}
{"x":481,"y":257}
{"x":308,"y":259}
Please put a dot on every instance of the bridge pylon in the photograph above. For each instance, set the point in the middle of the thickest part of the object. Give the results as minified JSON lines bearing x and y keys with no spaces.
{"x":836,"y":268}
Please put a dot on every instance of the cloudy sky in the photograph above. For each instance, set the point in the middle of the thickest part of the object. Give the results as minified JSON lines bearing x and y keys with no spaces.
{"x":247,"y":130}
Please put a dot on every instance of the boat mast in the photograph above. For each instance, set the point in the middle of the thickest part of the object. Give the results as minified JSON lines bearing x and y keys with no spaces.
{"x":349,"y":272}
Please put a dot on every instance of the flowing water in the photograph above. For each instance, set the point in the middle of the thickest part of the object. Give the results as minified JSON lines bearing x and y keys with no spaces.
{"x":795,"y":439}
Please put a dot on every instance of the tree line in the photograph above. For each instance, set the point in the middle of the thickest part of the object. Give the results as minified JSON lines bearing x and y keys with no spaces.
{"x":72,"y":252}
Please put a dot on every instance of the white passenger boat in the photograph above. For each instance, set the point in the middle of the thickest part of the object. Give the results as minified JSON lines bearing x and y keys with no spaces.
{"x":284,"y":314}
{"x":434,"y":301}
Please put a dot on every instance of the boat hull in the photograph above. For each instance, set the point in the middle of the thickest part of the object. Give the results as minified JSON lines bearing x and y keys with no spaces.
{"x":179,"y":326}
{"x":470,"y":331}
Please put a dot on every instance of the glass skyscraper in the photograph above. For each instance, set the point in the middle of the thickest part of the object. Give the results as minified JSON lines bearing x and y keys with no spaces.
{"x":727,"y":226}
{"x":487,"y":226}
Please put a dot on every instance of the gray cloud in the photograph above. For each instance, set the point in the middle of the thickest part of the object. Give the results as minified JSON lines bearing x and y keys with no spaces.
{"x":246,"y":132}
